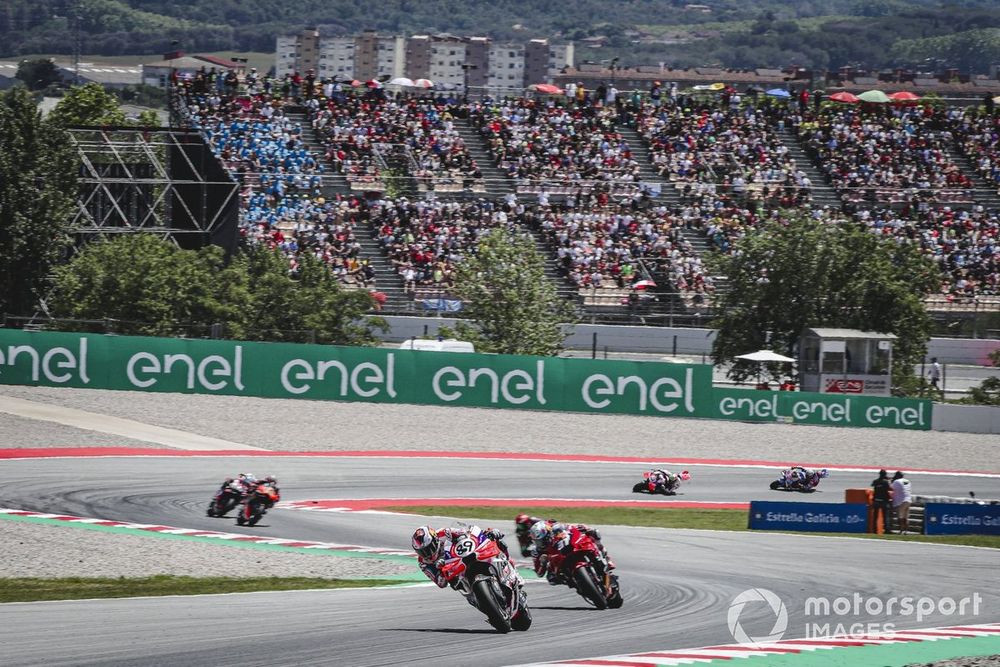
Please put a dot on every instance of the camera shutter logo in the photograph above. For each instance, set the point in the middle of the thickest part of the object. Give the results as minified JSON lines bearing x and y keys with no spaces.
{"x":757,"y":595}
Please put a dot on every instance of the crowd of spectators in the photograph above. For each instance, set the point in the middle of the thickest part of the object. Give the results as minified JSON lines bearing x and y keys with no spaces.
{"x":419,"y":131}
{"x":978,"y":134}
{"x":425,"y":239}
{"x":887,"y":153}
{"x":731,"y":170}
{"x":558,"y":147}
{"x":280,"y":179}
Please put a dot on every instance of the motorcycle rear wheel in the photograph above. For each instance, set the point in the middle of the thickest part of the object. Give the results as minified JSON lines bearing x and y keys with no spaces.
{"x":586,"y":585}
{"x":487,"y":603}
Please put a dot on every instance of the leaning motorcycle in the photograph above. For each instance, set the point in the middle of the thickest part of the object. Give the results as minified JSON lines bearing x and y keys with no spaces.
{"x":788,"y":482}
{"x":225,"y":499}
{"x":256,"y":504}
{"x":580,"y":564}
{"x":475,"y":565}
{"x":649,"y":485}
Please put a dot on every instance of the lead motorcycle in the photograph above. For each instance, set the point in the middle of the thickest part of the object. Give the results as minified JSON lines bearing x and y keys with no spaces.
{"x":476,"y":565}
{"x":256,"y":504}
{"x":579,"y":563}
{"x":226,"y":498}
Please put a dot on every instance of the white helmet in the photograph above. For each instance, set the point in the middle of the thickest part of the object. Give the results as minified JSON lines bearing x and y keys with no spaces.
{"x":426,"y":543}
{"x":540,"y":532}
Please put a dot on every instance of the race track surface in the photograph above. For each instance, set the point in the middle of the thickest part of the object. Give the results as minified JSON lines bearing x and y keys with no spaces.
{"x":677,"y":584}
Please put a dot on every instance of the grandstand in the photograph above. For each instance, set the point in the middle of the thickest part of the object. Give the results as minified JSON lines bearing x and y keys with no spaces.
{"x":392,"y":190}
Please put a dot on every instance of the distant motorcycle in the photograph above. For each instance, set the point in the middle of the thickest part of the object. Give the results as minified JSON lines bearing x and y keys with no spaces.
{"x":661,"y":481}
{"x":475,"y":565}
{"x":799,"y":479}
{"x":226,"y":498}
{"x":256,"y":504}
{"x":579,"y":564}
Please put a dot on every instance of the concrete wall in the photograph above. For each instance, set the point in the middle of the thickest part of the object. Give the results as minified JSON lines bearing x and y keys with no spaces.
{"x":962,"y":350}
{"x":966,"y":418}
{"x":660,"y":340}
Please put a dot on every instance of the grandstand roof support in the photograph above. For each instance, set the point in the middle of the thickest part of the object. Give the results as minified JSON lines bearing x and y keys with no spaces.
{"x":165,"y":181}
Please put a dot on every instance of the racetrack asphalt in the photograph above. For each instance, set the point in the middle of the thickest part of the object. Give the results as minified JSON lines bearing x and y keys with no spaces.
{"x":677,"y":584}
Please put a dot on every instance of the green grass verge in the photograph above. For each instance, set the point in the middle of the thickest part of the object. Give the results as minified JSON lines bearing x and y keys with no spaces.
{"x":30,"y":589}
{"x":661,"y":518}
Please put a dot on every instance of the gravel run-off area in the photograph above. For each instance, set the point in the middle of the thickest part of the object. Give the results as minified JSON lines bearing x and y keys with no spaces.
{"x":982,"y":661}
{"x":39,"y":550}
{"x":302,"y":425}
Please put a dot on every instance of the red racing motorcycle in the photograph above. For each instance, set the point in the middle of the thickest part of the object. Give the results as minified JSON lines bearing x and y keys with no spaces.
{"x":261,"y":499}
{"x":579,"y":564}
{"x":476,"y":565}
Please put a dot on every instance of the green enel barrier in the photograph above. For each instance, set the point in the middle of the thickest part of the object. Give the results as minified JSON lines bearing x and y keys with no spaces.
{"x":322,"y":372}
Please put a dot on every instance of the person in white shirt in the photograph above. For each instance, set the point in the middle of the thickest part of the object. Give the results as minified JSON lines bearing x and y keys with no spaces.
{"x":901,"y":499}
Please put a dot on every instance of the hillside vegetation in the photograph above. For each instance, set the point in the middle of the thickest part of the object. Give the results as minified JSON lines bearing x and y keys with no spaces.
{"x":735,"y":33}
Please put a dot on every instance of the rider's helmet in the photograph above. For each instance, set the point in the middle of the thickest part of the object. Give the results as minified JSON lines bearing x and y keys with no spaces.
{"x":247,"y":477}
{"x":523,"y":522}
{"x":426,"y":543}
{"x":824,"y":473}
{"x":685,"y":475}
{"x":270,"y":479}
{"x":540,"y":532}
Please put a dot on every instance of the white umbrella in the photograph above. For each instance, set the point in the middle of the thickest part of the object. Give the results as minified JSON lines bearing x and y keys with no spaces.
{"x":764,"y":355}
{"x":402,"y":81}
{"x":643,"y":284}
{"x":423,"y":83}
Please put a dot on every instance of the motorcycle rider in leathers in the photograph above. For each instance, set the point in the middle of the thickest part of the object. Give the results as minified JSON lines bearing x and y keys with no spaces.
{"x":524,"y":522}
{"x":668,"y":480}
{"x":432,"y":545}
{"x":545,"y":535}
{"x":804,"y":477}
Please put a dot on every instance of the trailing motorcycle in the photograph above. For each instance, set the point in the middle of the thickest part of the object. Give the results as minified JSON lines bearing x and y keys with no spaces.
{"x":799,"y":479}
{"x":579,"y":563}
{"x":661,"y":481}
{"x":256,"y":504}
{"x":226,"y":498}
{"x":476,"y":565}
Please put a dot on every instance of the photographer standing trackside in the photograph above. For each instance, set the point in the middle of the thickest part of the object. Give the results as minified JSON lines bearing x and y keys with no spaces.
{"x":901,"y":498}
{"x":883,"y":501}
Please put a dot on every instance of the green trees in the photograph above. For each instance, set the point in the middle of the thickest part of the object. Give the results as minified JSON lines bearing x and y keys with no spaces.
{"x":515,"y":308}
{"x":803,"y":272}
{"x":37,"y":191}
{"x":154,"y":288}
{"x":38,"y":74}
{"x":88,"y":105}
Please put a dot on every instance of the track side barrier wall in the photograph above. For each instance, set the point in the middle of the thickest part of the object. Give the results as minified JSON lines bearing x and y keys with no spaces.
{"x":321,"y":372}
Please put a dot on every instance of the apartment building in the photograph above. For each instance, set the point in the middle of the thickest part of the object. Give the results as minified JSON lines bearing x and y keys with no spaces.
{"x":454,"y":61}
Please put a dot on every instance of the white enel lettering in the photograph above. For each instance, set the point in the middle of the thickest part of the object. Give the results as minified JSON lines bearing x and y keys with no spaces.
{"x":375,"y":377}
{"x":526,"y":385}
{"x":14,"y":351}
{"x":674,"y":392}
{"x":69,"y":362}
{"x":606,"y":390}
{"x":457,"y":381}
{"x":153,"y":367}
{"x":224,"y":370}
{"x":170,"y":359}
{"x":305,"y":374}
{"x":494,"y":381}
{"x":637,"y":381}
{"x":324,"y":366}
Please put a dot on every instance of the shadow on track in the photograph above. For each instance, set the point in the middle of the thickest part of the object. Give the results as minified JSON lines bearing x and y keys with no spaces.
{"x":566,"y":608}
{"x":457,"y":631}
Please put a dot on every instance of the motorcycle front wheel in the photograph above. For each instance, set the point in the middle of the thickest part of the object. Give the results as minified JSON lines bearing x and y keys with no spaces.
{"x":586,"y":585}
{"x":639,"y":488}
{"x":775,"y":485}
{"x":487,"y":603}
{"x":522,"y":621}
